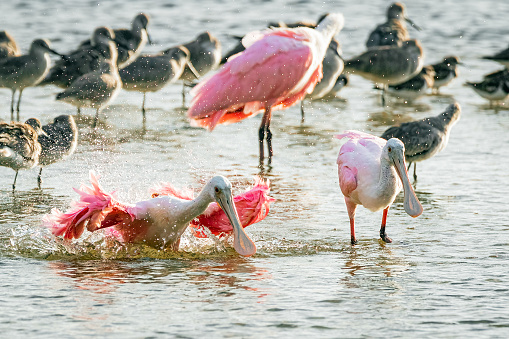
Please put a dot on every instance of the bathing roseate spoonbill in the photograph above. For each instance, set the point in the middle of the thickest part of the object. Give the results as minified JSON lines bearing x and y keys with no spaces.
{"x":371,"y":171}
{"x":158,"y":222}
{"x":277,"y":69}
{"x":425,"y":138}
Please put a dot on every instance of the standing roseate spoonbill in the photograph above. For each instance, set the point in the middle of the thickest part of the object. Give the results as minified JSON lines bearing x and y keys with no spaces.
{"x":371,"y":171}
{"x":158,"y":222}
{"x":8,"y":46}
{"x":20,"y":72}
{"x":445,"y":72}
{"x":277,"y":69}
{"x":425,"y":138}
{"x":393,"y":31}
{"x":95,"y":89}
{"x":58,"y":140}
{"x":19,"y":147}
{"x":130,"y":42}
{"x":388,"y":65}
{"x":204,"y":56}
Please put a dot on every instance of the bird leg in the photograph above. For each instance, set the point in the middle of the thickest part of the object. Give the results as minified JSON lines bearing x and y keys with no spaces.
{"x":302,"y":111}
{"x":12,"y":104}
{"x":79,"y":111}
{"x":143,"y":108}
{"x":39,"y":179}
{"x":383,"y":95}
{"x":96,"y":119}
{"x":383,"y":235}
{"x":183,"y":94}
{"x":415,"y":171}
{"x":265,"y":133}
{"x":14,"y":183}
{"x":350,"y":207}
{"x":19,"y":101}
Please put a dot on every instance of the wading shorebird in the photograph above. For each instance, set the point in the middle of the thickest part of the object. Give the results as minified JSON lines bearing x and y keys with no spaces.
{"x":19,"y":146}
{"x":501,"y":57}
{"x":204,"y":56}
{"x":58,"y":141}
{"x":445,"y":72}
{"x":393,"y":31}
{"x":8,"y":46}
{"x":277,"y":69}
{"x":415,"y":87}
{"x":371,"y":171}
{"x":160,"y":221}
{"x":425,"y":138}
{"x":95,"y":89}
{"x":388,"y":65}
{"x":20,"y":72}
{"x":494,"y":87}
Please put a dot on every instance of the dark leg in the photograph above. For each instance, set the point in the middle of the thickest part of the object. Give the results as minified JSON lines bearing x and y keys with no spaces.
{"x":415,"y":171}
{"x":39,"y":179}
{"x":19,"y":101}
{"x":409,"y":164}
{"x":143,"y":108}
{"x":302,"y":111}
{"x":12,"y":104}
{"x":183,"y":94}
{"x":383,"y":95}
{"x":96,"y":119}
{"x":79,"y":111}
{"x":14,"y":183}
{"x":383,"y":235}
{"x":264,"y":129}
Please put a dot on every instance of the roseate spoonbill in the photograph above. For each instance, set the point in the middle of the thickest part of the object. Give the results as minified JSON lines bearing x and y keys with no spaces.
{"x":58,"y":141}
{"x":20,"y":72}
{"x":332,"y":66}
{"x":393,"y":31}
{"x":95,"y":89}
{"x":130,"y":42}
{"x":501,"y":57}
{"x":8,"y":46}
{"x":277,"y":69}
{"x":80,"y":61}
{"x":150,"y":73}
{"x":158,"y":222}
{"x":369,"y":168}
{"x":415,"y":87}
{"x":494,"y":87}
{"x":204,"y":56}
{"x":388,"y":65}
{"x":19,"y":147}
{"x":425,"y":138}
{"x":445,"y":72}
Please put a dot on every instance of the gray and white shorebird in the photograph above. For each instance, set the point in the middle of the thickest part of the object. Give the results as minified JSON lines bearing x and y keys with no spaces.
{"x":388,"y":65}
{"x":425,"y":138}
{"x":20,"y":72}
{"x":332,"y":67}
{"x":130,"y":42}
{"x":445,"y":72}
{"x":204,"y":56}
{"x":150,"y":73}
{"x":415,"y":87}
{"x":494,"y":87}
{"x":393,"y":31}
{"x":80,"y":61}
{"x":19,"y":146}
{"x":8,"y":46}
{"x":58,"y":140}
{"x":95,"y":89}
{"x":501,"y":57}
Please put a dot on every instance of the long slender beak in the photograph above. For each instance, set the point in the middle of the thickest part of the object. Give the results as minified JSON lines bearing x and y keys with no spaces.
{"x":195,"y":72}
{"x":412,"y":205}
{"x":149,"y":40}
{"x":55,"y":52}
{"x":413,"y":24}
{"x":241,"y":241}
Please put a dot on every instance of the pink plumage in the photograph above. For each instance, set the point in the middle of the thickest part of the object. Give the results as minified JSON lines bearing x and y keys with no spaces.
{"x":252,"y":207}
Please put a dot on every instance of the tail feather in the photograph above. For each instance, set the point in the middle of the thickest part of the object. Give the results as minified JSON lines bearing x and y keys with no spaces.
{"x":94,"y":210}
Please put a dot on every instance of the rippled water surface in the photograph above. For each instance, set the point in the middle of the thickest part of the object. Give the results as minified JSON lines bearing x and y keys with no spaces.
{"x":445,"y":274}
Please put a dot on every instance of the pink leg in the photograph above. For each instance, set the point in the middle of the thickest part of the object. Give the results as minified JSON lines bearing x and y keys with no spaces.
{"x":383,"y":235}
{"x":350,"y":207}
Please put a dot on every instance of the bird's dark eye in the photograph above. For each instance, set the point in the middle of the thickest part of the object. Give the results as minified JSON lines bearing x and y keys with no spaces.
{"x":390,"y":149}
{"x":216,"y":189}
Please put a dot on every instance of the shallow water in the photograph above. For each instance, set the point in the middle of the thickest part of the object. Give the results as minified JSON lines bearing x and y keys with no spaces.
{"x":445,"y":274}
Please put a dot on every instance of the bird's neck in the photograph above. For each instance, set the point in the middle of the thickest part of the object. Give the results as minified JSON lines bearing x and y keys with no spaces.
{"x":199,"y":204}
{"x":387,"y":178}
